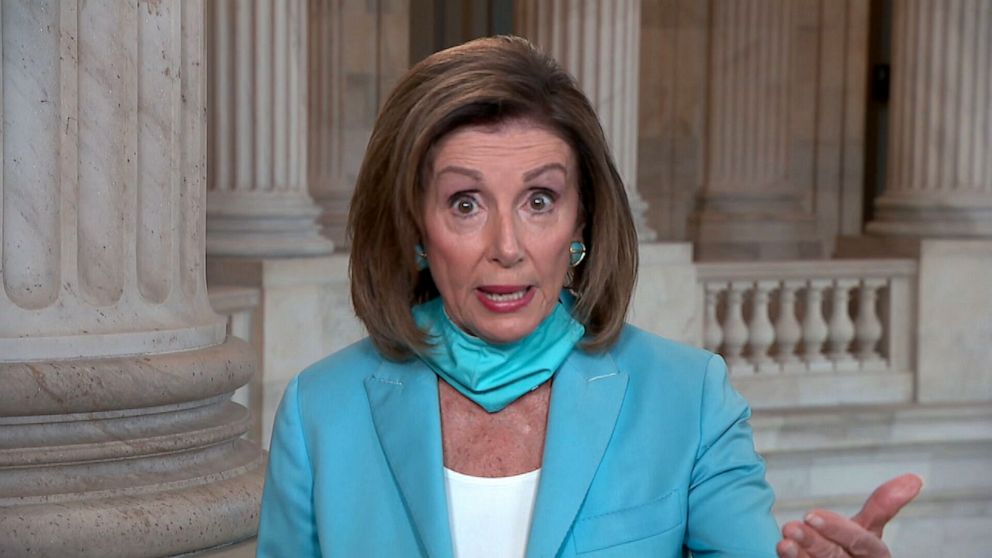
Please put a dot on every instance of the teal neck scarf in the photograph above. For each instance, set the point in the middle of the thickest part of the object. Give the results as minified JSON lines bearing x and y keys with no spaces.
{"x":493,"y":376}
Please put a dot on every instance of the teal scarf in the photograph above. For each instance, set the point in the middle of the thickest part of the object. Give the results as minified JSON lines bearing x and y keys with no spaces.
{"x":496,"y":375}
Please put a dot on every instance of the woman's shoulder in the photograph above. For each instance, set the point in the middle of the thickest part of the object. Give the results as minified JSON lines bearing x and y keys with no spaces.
{"x":636,"y":346}
{"x":349,"y":364}
{"x":667,"y":372}
{"x":657,"y":364}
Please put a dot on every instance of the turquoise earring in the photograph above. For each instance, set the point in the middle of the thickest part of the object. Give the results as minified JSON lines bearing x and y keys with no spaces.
{"x":421,"y":257}
{"x":576,"y":253}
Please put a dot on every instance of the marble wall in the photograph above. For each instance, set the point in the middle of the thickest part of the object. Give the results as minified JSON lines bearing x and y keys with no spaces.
{"x":955,"y":321}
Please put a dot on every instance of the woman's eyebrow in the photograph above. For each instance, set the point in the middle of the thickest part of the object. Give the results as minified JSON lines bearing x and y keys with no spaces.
{"x":455,"y":169}
{"x":545,"y":168}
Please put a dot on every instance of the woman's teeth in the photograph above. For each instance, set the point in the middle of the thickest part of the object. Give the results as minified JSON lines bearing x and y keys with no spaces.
{"x":509,"y":297}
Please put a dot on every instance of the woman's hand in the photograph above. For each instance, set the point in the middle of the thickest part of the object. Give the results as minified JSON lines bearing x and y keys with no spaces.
{"x":825,"y":534}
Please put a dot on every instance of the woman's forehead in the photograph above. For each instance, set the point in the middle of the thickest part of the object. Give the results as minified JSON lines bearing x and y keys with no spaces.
{"x":522,"y":142}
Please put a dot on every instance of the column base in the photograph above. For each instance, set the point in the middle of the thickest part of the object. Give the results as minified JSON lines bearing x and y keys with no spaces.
{"x":162,"y":523}
{"x":135,"y":456}
{"x":333,"y":219}
{"x":928,"y":217}
{"x":263,"y":225}
{"x":305,"y":313}
{"x":244,"y":549}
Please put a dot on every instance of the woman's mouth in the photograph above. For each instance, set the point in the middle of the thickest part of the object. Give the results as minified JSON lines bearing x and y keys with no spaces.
{"x":505,"y":298}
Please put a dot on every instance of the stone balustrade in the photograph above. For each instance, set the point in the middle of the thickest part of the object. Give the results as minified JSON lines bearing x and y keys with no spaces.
{"x":812,"y":332}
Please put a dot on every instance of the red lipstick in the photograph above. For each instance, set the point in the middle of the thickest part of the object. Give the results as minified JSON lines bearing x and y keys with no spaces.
{"x":504,"y":298}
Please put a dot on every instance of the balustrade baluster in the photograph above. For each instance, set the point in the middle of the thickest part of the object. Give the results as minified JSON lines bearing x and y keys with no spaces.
{"x":761,"y":334}
{"x":814,"y":327}
{"x":735,"y":329}
{"x":867,"y":327}
{"x":712,"y":332}
{"x":841,"y":327}
{"x":788,"y":331}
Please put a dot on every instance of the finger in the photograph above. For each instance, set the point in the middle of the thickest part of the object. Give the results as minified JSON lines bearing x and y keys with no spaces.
{"x":788,"y":548}
{"x":851,"y":537}
{"x":886,"y":501}
{"x":812,"y":543}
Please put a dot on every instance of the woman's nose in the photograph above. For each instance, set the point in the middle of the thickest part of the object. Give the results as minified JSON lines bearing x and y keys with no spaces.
{"x":505,"y":246}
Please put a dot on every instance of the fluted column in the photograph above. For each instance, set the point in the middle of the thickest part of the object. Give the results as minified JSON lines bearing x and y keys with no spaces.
{"x":117,"y":436}
{"x":358,"y":50}
{"x":939,"y":179}
{"x":598,"y":43}
{"x":760,"y":161}
{"x":257,"y":200}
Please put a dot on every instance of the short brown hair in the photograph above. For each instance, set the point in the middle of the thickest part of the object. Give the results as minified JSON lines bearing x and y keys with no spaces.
{"x":486,"y":81}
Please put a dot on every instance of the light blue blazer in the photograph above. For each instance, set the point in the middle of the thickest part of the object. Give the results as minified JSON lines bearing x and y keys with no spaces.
{"x":648,"y":453}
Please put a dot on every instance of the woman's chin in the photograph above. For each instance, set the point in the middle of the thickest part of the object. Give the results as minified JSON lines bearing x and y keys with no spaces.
{"x":506,"y":335}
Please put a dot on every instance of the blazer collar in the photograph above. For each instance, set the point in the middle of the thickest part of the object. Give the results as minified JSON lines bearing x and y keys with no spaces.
{"x":405,"y":410}
{"x":586,"y":396}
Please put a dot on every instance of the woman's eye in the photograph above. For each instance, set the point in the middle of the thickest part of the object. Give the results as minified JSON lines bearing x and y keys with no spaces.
{"x":540,"y":202}
{"x":464,"y":205}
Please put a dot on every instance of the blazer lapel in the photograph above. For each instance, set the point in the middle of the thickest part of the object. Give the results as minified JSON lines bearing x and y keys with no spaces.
{"x":585,"y":401}
{"x":404,"y":403}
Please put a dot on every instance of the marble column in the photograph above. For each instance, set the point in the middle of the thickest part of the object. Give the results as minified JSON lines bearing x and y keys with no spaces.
{"x":598,"y":43}
{"x":117,"y":433}
{"x":939,"y":179}
{"x":756,"y":199}
{"x":257,"y":200}
{"x":358,"y":50}
{"x":748,"y":156}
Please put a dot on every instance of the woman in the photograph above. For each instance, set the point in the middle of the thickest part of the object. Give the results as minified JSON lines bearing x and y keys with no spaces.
{"x":500,"y":404}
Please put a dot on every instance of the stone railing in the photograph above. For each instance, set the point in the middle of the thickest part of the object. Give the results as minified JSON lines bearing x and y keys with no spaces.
{"x":240,"y":306}
{"x":813,"y":332}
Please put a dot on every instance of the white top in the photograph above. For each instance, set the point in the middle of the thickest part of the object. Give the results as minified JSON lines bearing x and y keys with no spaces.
{"x":490,"y":517}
